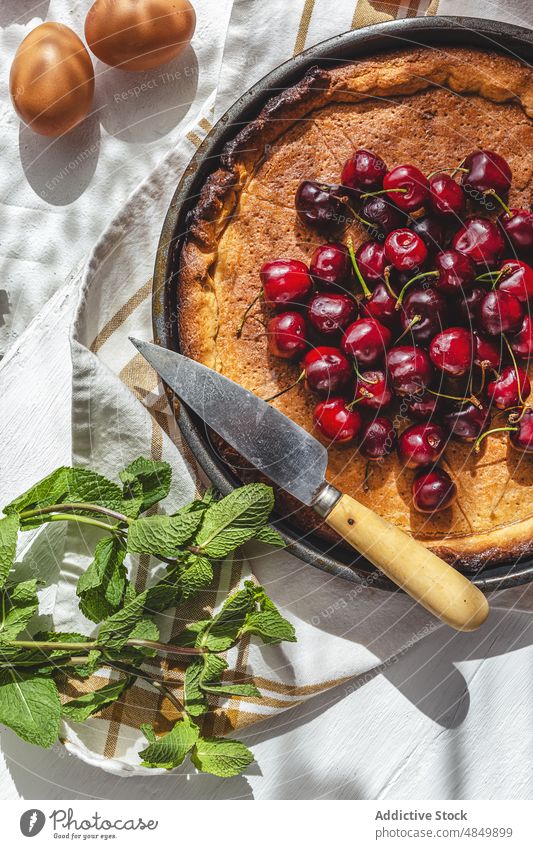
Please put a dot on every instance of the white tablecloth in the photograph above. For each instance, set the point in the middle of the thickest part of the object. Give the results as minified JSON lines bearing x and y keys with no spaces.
{"x":449,"y":717}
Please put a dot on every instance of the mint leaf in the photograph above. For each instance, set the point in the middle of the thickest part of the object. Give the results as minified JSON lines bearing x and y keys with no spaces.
{"x":191,"y":635}
{"x":29,"y":704}
{"x":195,"y":702}
{"x":162,"y":595}
{"x":117,"y":629}
{"x":148,"y":732}
{"x":170,"y":750}
{"x":221,"y":690}
{"x":269,"y":535}
{"x":146,"y":482}
{"x":235,"y":519}
{"x":101,"y":587}
{"x":226,"y":625}
{"x":66,"y":485}
{"x":196,"y":576}
{"x":80,"y":708}
{"x":162,"y":534}
{"x":8,"y":545}
{"x":50,"y":490}
{"x":270,"y":626}
{"x":204,"y":671}
{"x":221,"y":757}
{"x":85,"y":670}
{"x":18,"y":603}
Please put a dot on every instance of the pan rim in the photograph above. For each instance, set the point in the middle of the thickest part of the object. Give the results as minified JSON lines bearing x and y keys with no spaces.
{"x":501,"y":37}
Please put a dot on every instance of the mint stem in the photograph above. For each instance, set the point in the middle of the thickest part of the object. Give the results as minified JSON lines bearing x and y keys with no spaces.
{"x":73,"y":507}
{"x":85,"y":520}
{"x":154,"y":682}
{"x":162,"y":648}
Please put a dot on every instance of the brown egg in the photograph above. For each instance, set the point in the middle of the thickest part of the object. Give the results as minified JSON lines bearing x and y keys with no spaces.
{"x":136,"y":35}
{"x":52,"y":80}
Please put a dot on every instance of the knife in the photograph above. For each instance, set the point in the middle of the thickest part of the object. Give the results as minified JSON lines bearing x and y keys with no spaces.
{"x":296,"y":461}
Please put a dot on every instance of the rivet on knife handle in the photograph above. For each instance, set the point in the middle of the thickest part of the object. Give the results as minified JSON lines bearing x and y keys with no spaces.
{"x":436,"y":585}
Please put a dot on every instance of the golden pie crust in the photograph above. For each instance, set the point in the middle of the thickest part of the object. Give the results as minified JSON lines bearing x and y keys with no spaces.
{"x":426,"y":106}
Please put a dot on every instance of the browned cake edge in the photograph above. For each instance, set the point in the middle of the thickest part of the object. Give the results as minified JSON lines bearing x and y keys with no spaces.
{"x":466,"y":71}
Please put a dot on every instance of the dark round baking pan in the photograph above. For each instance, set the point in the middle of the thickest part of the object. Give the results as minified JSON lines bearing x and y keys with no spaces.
{"x":514,"y":41}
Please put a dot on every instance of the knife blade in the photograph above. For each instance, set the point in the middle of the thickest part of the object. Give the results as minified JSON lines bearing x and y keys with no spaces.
{"x":296,"y":461}
{"x":269,"y":440}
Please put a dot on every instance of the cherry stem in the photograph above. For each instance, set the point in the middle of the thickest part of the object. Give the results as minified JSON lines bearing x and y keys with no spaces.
{"x":245,"y":315}
{"x":470,"y":399}
{"x":287,"y":389}
{"x":498,"y":198}
{"x":400,"y":297}
{"x":360,"y":217}
{"x":386,"y":277}
{"x":366,"y":291}
{"x":366,"y":479}
{"x":490,"y":277}
{"x":459,"y":168}
{"x":482,"y":436}
{"x":453,"y":168}
{"x":415,"y":319}
{"x":383,"y":192}
{"x":361,"y":377}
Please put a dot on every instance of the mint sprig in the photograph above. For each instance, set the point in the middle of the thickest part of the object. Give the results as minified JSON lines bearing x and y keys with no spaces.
{"x":35,"y":666}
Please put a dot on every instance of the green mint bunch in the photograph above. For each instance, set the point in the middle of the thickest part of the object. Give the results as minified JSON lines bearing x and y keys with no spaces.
{"x":35,"y":666}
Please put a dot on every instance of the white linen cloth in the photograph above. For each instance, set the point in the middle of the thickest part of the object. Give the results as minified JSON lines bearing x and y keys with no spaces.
{"x":343,"y":634}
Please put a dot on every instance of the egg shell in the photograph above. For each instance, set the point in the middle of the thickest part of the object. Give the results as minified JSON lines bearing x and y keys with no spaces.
{"x":52,"y":80}
{"x":136,"y":35}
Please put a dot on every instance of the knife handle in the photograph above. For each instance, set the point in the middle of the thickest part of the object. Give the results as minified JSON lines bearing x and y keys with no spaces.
{"x":436,"y":585}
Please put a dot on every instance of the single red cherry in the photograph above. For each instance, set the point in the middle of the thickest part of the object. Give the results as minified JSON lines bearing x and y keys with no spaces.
{"x":517,"y":280}
{"x":331,"y":266}
{"x":286,"y":335}
{"x":468,"y":305}
{"x":407,"y":187}
{"x":372,"y":390}
{"x":320,"y":206}
{"x":517,"y":227}
{"x":480,"y":240}
{"x":409,"y":368}
{"x":285,"y":282}
{"x":487,"y":352}
{"x":367,"y":341}
{"x":466,"y":421}
{"x":421,"y":445}
{"x":433,"y":490}
{"x":371,"y":261}
{"x":431,"y":230}
{"x":452,"y":351}
{"x":522,"y":436}
{"x":456,"y":272}
{"x":364,"y":171}
{"x":510,"y":389}
{"x":424,"y":314}
{"x":330,"y":312}
{"x":501,"y":313}
{"x":381,"y":306}
{"x":378,"y":438}
{"x":381,"y":216}
{"x":446,"y":196}
{"x":335,"y":421}
{"x":326,"y":370}
{"x":405,"y":250}
{"x":423,"y":406}
{"x":522,"y":342}
{"x":486,"y":170}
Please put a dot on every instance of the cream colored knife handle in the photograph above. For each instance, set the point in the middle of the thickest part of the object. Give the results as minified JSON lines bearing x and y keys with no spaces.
{"x":440,"y":588}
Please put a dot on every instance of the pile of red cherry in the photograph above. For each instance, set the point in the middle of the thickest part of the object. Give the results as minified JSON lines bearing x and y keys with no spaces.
{"x":428,"y":314}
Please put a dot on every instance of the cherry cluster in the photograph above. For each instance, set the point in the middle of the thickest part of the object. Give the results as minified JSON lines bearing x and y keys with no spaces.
{"x":427,"y":314}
